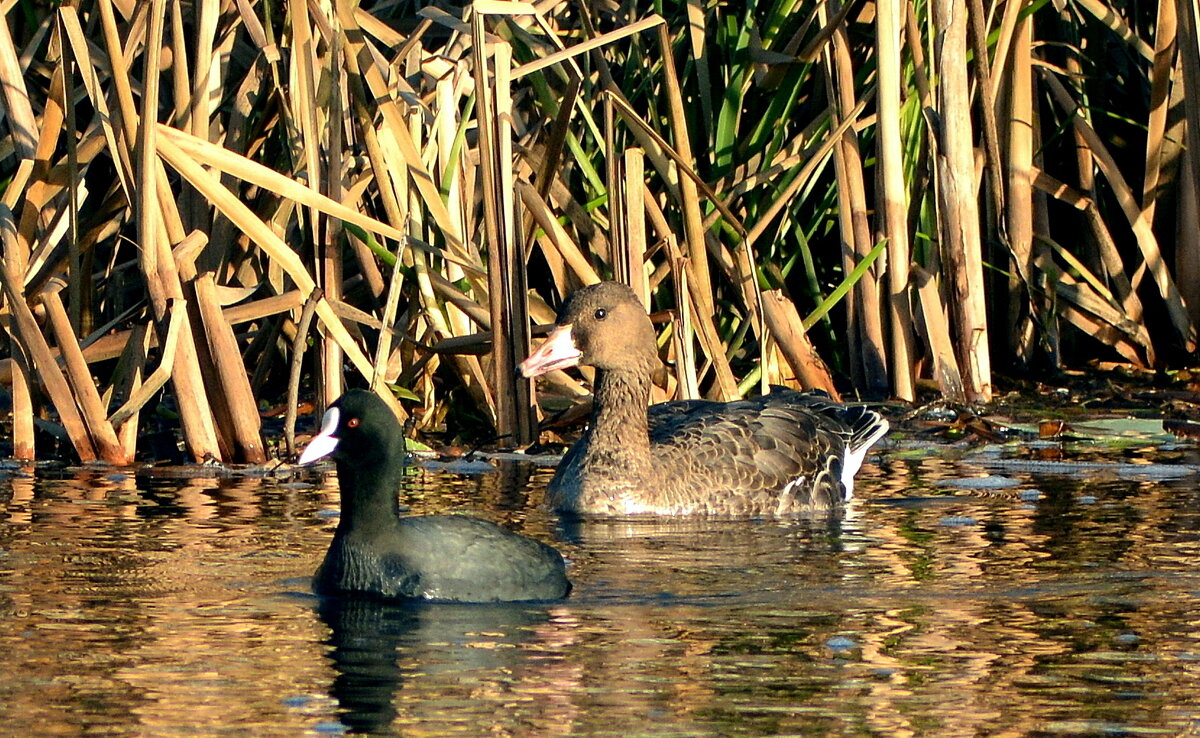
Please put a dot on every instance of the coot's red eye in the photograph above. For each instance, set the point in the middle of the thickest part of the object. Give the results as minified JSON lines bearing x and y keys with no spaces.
{"x":352,"y":423}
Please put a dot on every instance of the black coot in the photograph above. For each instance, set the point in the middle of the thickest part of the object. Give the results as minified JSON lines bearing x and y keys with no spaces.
{"x":435,"y":557}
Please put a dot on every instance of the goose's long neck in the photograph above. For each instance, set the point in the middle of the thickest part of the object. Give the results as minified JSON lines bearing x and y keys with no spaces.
{"x":619,"y":424}
{"x":369,"y":490}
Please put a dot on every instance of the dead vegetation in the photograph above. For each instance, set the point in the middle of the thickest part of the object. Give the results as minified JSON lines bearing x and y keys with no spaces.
{"x":237,"y":201}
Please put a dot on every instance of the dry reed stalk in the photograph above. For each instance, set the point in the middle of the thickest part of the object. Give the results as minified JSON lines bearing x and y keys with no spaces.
{"x":80,"y":49}
{"x":62,"y":90}
{"x":299,"y":345}
{"x":447,"y":125}
{"x":786,"y":325}
{"x":1091,"y":294}
{"x":141,"y":395}
{"x":1187,"y":251}
{"x":1010,"y":41}
{"x":554,"y":238}
{"x":408,"y":157}
{"x":304,"y":108}
{"x":181,"y":78}
{"x":153,"y":222}
{"x":663,"y":156}
{"x":41,"y":217}
{"x":469,"y":369}
{"x":112,"y":345}
{"x":515,"y":414}
{"x":252,"y":172}
{"x":633,"y":186}
{"x":689,"y":199}
{"x":993,"y":161}
{"x":22,"y":368}
{"x":22,"y":123}
{"x":1019,"y":172}
{"x":235,"y":392}
{"x":388,"y":321}
{"x":48,"y":371}
{"x":594,"y":43}
{"x":129,"y":378}
{"x":814,"y":157}
{"x":936,"y":329}
{"x":1160,"y":91}
{"x":1087,"y":306}
{"x":556,"y":142}
{"x":693,"y":322}
{"x":83,"y":387}
{"x":894,"y":198}
{"x":514,"y":261}
{"x":961,"y":249}
{"x":618,"y":253}
{"x":22,"y":409}
{"x":914,"y":44}
{"x":867,"y":309}
{"x":685,"y":357}
{"x":1117,"y":25}
{"x":1104,"y":246}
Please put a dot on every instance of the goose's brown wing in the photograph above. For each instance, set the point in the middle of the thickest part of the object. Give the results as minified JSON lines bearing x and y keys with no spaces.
{"x":779,"y":453}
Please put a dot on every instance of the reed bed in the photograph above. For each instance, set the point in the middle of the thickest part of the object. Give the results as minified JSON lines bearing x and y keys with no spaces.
{"x":219,"y":208}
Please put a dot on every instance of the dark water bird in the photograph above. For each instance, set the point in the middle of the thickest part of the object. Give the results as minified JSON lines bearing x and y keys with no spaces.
{"x":432,"y":557}
{"x":780,"y":454}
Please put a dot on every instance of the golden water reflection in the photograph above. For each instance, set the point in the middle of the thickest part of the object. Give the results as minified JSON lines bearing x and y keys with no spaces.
{"x":146,"y":605}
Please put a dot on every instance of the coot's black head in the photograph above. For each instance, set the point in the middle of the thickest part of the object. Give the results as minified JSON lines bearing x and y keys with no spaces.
{"x":357,"y":429}
{"x":603,"y":325}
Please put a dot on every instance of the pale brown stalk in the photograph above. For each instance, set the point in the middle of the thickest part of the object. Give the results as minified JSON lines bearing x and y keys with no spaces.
{"x":961,"y":248}
{"x":895,"y":202}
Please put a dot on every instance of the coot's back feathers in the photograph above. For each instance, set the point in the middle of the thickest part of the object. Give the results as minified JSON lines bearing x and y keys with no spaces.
{"x":488,"y":563}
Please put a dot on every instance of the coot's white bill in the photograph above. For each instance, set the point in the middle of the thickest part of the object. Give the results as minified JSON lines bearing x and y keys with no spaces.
{"x":324,"y":442}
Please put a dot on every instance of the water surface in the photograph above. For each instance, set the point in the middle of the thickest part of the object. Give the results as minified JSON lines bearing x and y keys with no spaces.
{"x":1046,"y":600}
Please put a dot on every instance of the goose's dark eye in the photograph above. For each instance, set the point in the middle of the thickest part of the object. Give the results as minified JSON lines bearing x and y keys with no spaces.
{"x":352,"y":423}
{"x":601,"y":313}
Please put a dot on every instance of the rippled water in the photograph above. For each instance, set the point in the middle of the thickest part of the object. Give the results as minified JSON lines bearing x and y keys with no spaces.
{"x":1048,"y":600}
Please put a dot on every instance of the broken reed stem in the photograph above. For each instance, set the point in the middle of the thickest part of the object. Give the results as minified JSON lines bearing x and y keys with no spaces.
{"x":49,"y":373}
{"x":299,"y":344}
{"x":22,"y":412}
{"x":235,"y":391}
{"x":103,"y":437}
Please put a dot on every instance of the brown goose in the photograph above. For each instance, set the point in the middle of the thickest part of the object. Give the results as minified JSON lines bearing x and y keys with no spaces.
{"x":779,"y":454}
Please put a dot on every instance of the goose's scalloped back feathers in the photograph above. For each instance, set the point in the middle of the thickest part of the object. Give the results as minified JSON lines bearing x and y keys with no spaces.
{"x":783,"y":453}
{"x":802,"y":445}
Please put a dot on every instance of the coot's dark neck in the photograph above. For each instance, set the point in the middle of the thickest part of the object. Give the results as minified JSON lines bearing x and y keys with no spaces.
{"x":369,"y":489}
{"x":619,"y":426}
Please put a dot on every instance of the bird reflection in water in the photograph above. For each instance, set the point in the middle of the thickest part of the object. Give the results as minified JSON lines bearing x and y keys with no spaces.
{"x":442,"y":650}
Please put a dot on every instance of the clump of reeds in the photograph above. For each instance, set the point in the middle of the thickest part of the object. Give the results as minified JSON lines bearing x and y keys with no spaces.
{"x":905,"y":191}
